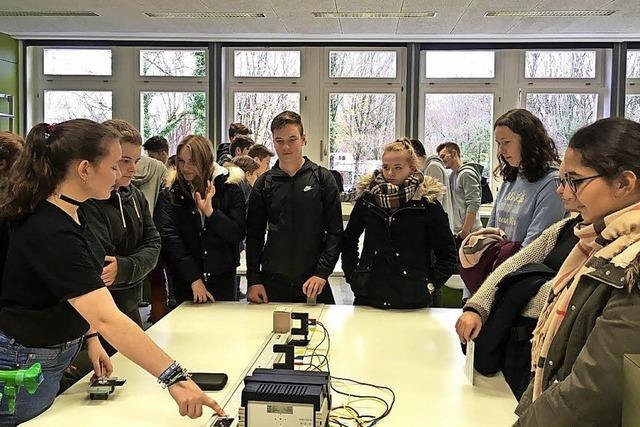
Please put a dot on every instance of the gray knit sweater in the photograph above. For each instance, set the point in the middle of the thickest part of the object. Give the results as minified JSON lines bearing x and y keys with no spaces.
{"x":535,"y":252}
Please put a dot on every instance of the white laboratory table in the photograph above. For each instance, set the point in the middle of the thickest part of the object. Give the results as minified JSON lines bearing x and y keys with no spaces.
{"x":416,"y":353}
{"x":220,"y":337}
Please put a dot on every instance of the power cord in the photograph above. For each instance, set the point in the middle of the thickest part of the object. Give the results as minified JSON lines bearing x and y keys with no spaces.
{"x":346,"y":412}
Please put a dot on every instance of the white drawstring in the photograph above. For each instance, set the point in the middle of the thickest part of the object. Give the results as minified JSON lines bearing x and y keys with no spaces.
{"x":124,"y":223}
{"x":135,"y":206}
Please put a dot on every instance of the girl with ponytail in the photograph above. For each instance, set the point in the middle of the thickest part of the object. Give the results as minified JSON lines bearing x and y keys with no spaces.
{"x":53,"y":297}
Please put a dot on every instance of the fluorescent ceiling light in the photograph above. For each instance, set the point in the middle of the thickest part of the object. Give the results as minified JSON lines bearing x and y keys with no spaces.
{"x":374,"y":15}
{"x":551,"y":13}
{"x":204,"y":15}
{"x":46,"y":13}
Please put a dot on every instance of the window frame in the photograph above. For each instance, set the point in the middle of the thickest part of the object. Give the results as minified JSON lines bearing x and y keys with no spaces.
{"x":400,"y":66}
{"x":125,"y":83}
{"x":632,"y":84}
{"x":186,"y":79}
{"x":596,"y":85}
{"x":450,"y":89}
{"x":598,"y":80}
{"x":463,"y":86}
{"x":230,"y":66}
{"x":74,"y":89}
{"x":264,"y":88}
{"x":459,"y":80}
{"x":168,"y":88}
{"x":360,"y":85}
{"x":382,"y":90}
{"x":39,"y":63}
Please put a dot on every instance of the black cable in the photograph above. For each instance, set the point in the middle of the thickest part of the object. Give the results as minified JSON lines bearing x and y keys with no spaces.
{"x":379,"y":387}
{"x":374,"y":419}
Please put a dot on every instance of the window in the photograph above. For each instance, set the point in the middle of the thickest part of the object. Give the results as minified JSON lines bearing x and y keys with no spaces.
{"x":466,"y":119}
{"x":563,"y":113}
{"x":359,"y":125}
{"x":173,"y":63}
{"x":77,"y":62}
{"x":560,"y":64}
{"x":362,"y":64}
{"x":633,"y":64}
{"x":266,"y":63}
{"x":451,"y":64}
{"x":61,"y":105}
{"x":173,"y":115}
{"x":256,"y":110}
{"x":632,"y":107}
{"x":632,"y":100}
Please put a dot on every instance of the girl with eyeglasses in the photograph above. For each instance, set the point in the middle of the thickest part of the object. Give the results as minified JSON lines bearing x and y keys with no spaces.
{"x":592,"y":315}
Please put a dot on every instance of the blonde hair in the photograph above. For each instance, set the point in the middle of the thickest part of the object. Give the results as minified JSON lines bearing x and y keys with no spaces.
{"x":402,"y":144}
{"x":202,"y":157}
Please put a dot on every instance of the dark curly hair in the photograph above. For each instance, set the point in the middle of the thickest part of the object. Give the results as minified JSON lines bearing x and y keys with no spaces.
{"x":539,"y":152}
{"x":609,"y":146}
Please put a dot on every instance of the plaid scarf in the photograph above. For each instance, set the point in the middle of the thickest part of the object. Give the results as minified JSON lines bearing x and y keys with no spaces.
{"x":614,"y":239}
{"x":390,"y":196}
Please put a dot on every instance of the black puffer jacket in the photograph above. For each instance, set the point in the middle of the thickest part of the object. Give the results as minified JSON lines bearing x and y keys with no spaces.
{"x":403,"y":251}
{"x":124,"y":227}
{"x":304,"y":224}
{"x":193,"y":248}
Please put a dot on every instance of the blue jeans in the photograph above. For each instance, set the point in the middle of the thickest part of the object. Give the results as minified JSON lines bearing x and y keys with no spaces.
{"x":54,"y":361}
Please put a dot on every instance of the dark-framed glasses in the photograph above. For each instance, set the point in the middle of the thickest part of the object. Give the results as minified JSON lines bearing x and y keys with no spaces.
{"x":571,"y":182}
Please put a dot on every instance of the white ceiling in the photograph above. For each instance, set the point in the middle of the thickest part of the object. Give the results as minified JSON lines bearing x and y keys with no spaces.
{"x":456,"y":20}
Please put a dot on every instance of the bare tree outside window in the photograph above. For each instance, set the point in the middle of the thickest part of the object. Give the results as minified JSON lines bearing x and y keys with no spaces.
{"x":632,"y":107}
{"x":256,"y":110}
{"x":173,"y":63}
{"x":633,"y":64}
{"x":173,"y":115}
{"x":632,"y":101}
{"x":362,"y":64}
{"x":560,"y":64}
{"x":359,"y":125}
{"x":563,"y":113}
{"x":465,"y":119}
{"x":62,"y":105}
{"x":266,"y":63}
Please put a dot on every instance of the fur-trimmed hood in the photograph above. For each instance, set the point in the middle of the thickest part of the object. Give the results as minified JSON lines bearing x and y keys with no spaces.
{"x":235,"y":174}
{"x":430,"y":189}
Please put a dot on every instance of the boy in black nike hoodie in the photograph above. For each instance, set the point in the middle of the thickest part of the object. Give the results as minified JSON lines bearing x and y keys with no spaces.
{"x":297,"y":201}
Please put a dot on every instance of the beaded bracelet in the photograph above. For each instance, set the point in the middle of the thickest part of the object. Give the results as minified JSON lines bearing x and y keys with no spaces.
{"x":173,"y":374}
{"x":182,"y":375}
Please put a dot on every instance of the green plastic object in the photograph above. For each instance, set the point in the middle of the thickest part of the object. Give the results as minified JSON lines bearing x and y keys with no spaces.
{"x":29,"y":378}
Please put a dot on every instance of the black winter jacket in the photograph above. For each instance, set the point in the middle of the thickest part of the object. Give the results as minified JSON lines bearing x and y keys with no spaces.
{"x":193,"y":248}
{"x":304,"y":220}
{"x":124,"y":227}
{"x":396,"y":265}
